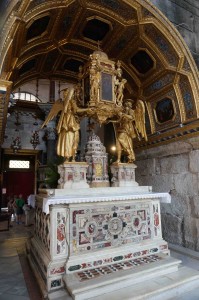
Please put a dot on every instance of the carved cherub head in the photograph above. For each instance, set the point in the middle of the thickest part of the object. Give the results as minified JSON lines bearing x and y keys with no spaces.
{"x":128,"y":103}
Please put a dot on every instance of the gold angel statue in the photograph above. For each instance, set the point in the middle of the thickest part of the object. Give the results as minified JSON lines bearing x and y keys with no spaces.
{"x":130,"y":124}
{"x":69,"y":123}
{"x":119,"y":90}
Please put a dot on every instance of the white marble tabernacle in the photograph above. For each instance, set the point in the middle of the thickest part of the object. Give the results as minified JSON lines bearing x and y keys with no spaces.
{"x":92,"y":233}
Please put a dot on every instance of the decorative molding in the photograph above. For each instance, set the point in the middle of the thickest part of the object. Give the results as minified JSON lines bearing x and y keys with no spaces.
{"x":164,"y":197}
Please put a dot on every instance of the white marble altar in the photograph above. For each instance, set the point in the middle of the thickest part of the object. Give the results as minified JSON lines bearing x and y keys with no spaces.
{"x":92,"y":233}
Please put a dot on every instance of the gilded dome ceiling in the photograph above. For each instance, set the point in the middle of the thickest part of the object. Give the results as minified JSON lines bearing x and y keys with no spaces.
{"x":52,"y":39}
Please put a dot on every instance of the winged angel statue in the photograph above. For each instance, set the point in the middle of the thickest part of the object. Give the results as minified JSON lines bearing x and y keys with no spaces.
{"x":129,"y":125}
{"x":69,"y":123}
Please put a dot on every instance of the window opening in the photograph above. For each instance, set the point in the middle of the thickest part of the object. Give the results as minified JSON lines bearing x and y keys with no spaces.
{"x":19,"y":164}
{"x":26,"y":96}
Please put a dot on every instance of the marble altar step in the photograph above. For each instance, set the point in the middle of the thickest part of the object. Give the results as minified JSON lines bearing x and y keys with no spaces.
{"x":180,"y":285}
{"x":118,"y":281}
{"x":171,"y":286}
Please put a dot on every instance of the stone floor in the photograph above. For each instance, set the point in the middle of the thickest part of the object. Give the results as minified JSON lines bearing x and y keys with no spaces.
{"x":17,"y":281}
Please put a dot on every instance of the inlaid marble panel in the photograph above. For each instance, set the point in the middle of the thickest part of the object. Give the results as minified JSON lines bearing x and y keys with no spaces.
{"x":94,"y":228}
{"x":61,"y":233}
{"x":42,"y":227}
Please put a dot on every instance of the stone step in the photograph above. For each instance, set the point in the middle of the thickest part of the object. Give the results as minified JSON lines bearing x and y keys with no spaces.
{"x":174,"y":286}
{"x":118,"y":280}
{"x":180,"y":285}
{"x":61,"y":294}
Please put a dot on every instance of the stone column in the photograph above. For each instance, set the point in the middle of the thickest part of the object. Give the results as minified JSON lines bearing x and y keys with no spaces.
{"x":50,"y":133}
{"x":5,"y":89}
{"x":52,"y":91}
{"x":51,"y":143}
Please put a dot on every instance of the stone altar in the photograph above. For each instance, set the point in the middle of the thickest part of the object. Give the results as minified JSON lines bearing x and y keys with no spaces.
{"x":92,"y":233}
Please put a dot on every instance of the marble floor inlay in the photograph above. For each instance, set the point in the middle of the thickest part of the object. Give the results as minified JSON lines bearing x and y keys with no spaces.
{"x":130,"y":264}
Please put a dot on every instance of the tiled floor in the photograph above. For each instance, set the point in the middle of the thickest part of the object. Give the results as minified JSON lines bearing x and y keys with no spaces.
{"x":17,"y":281}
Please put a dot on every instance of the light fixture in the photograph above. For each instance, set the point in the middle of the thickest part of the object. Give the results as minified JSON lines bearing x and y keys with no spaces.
{"x":113,"y":148}
{"x":16,"y":144}
{"x":17,"y":123}
{"x":35,"y":139}
{"x":16,"y":140}
{"x":35,"y":122}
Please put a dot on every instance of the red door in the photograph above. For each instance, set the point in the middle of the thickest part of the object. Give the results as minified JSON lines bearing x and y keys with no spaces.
{"x":18,"y":182}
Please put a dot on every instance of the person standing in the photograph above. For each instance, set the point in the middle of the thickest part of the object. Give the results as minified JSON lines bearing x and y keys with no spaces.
{"x":10,"y":208}
{"x":20,"y":203}
{"x":29,"y":210}
{"x":15,"y":208}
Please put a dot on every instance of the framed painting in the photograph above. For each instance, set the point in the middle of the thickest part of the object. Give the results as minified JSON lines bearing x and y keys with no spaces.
{"x":106,"y":87}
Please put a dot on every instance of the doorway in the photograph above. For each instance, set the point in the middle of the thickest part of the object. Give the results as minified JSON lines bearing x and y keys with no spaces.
{"x":19,"y":182}
{"x":19,"y":176}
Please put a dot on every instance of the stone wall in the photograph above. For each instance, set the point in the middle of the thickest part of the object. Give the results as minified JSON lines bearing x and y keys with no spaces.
{"x":184,"y":14}
{"x":174,"y":168}
{"x":25,"y":131}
